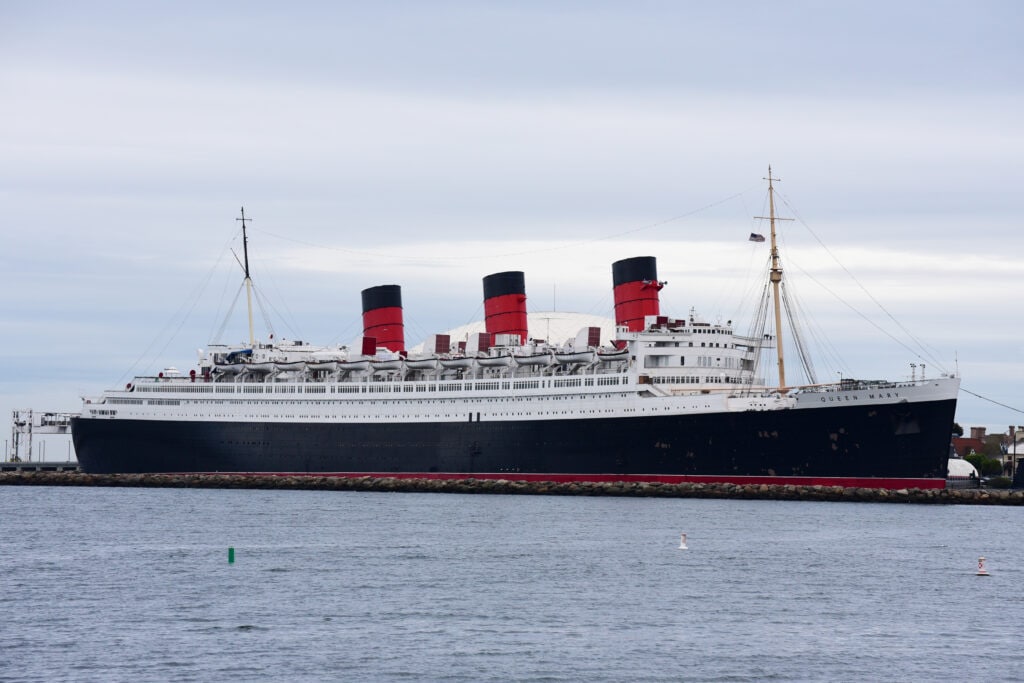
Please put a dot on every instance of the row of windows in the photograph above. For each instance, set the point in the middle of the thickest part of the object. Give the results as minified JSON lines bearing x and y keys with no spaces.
{"x":374,"y":388}
{"x":473,"y":417}
{"x":713,"y":345}
{"x":698,"y":380}
{"x":702,"y":362}
{"x":386,"y":403}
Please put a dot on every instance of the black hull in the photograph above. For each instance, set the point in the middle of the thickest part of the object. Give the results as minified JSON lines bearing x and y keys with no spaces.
{"x":880,"y":442}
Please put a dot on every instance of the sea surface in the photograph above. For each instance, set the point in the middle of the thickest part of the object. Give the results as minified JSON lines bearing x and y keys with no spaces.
{"x":108,"y":584}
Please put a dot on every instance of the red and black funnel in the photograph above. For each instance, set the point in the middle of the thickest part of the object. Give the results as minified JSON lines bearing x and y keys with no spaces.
{"x":382,"y":316}
{"x":636,"y":291}
{"x":505,"y":304}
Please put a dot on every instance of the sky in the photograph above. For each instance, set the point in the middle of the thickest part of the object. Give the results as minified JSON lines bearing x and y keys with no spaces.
{"x":428,"y":144}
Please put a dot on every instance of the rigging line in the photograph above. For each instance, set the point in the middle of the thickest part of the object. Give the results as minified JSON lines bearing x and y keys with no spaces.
{"x":985,"y":398}
{"x":756,"y":331}
{"x":798,"y":341}
{"x":195,"y":296}
{"x":869,"y":320}
{"x":491,"y":255}
{"x":227,"y":316}
{"x":410,"y":322}
{"x":816,"y":331}
{"x":476,"y":314}
{"x":289,"y":321}
{"x":862,"y":287}
{"x":226,"y":249}
{"x":810,"y":325}
{"x":263,"y":302}
{"x":220,"y":306}
{"x":602,"y":305}
{"x":829,"y":354}
{"x":748,"y":290}
{"x":338,"y":337}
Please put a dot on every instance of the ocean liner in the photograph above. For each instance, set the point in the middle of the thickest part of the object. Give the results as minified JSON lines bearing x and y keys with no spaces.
{"x":666,"y":400}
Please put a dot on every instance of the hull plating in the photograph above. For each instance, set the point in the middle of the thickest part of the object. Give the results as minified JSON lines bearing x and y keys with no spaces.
{"x":850,"y":443}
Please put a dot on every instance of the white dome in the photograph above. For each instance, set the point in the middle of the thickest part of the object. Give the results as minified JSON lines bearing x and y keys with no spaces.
{"x":556,"y":327}
{"x":960,"y":469}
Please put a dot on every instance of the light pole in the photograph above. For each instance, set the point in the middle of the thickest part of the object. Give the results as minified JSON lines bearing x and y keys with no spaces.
{"x":1013,"y":453}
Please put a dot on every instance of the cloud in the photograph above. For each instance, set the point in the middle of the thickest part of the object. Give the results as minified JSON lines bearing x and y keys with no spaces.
{"x":429,"y":146}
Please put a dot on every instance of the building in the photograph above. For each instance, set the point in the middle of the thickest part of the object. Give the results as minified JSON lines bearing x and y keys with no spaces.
{"x":1007,"y":448}
{"x":975,"y":443}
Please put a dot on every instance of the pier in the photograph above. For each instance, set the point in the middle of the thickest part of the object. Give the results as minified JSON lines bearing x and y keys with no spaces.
{"x":511,"y":487}
{"x":39,"y":466}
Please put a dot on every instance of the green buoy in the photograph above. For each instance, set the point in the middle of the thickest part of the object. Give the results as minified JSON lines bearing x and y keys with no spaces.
{"x":231,"y":555}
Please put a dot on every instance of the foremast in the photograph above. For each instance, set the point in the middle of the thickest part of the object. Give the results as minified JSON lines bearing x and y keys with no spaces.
{"x":248,"y":280}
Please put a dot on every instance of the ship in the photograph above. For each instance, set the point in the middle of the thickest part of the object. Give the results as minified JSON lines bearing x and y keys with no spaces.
{"x":666,"y":400}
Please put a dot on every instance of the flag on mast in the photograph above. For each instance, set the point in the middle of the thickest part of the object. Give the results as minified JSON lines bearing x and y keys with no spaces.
{"x":754,"y":237}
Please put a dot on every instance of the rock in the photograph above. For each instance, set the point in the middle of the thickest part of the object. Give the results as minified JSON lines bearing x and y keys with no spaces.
{"x":513,"y":486}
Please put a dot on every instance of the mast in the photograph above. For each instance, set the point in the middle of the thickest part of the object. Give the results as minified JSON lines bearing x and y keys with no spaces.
{"x":776,"y":280}
{"x":248,"y":280}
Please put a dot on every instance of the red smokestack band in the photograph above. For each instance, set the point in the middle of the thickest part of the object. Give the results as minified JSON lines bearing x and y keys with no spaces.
{"x":636,"y":291}
{"x":382,"y":316}
{"x":505,"y":304}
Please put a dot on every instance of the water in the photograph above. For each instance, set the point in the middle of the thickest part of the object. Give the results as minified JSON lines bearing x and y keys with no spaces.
{"x":134,"y":585}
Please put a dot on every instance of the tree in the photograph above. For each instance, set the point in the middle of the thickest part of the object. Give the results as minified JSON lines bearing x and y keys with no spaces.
{"x":957,"y":429}
{"x":993,"y":445}
{"x":986,"y":466}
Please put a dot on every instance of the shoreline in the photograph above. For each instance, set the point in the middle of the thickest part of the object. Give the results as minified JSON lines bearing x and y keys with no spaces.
{"x":506,"y":487}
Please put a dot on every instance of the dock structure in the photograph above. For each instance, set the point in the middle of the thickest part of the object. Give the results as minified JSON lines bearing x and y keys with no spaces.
{"x":40,"y":466}
{"x":25,"y":424}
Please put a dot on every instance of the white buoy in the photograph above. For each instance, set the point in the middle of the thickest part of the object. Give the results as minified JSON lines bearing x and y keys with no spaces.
{"x":682,"y":542}
{"x":981,"y":567}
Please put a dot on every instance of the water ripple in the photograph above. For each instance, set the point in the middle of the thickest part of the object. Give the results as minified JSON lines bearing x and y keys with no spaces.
{"x":328,"y":585}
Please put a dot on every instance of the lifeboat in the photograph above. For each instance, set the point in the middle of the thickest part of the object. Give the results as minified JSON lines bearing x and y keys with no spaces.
{"x":457,"y":362}
{"x":612,"y":355}
{"x":229,"y":368}
{"x":380,"y":365}
{"x":322,"y":365}
{"x":498,"y":361}
{"x":425,"y":363}
{"x":353,"y":365}
{"x":574,"y":357}
{"x":542,"y":358}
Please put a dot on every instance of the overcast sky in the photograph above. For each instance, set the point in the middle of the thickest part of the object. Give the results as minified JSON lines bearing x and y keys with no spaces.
{"x":431,"y":144}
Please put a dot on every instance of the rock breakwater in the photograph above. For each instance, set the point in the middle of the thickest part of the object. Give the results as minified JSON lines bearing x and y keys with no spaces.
{"x":505,"y":486}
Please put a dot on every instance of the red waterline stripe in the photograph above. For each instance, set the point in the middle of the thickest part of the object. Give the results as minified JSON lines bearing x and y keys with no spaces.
{"x":846,"y":482}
